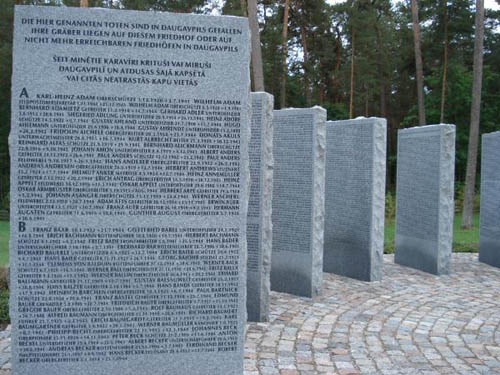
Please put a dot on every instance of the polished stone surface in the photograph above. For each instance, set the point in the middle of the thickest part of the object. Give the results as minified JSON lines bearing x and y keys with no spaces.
{"x":355,"y":197}
{"x":424,"y":197}
{"x":298,"y":200}
{"x":489,"y":229}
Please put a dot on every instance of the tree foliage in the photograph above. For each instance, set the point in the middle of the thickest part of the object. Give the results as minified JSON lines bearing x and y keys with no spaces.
{"x":178,"y":6}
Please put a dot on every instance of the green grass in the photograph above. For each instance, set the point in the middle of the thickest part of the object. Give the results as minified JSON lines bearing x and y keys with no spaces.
{"x":466,"y":240}
{"x":463,"y":240}
{"x":389,"y":236}
{"x":4,"y":243}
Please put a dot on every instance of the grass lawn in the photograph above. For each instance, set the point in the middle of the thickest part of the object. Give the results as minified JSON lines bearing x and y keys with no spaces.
{"x":4,"y":243}
{"x":463,"y":240}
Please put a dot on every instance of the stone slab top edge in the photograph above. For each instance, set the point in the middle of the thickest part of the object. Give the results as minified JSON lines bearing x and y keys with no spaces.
{"x":435,"y":127}
{"x":492,"y":134}
{"x":261,"y":93}
{"x":358,"y":120}
{"x":315,"y":108}
{"x":155,"y":12}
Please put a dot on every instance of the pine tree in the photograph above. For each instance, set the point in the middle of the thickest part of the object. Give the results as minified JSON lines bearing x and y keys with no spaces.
{"x":418,"y":63}
{"x":470,"y":177}
{"x":284,"y":53}
{"x":257,"y":68}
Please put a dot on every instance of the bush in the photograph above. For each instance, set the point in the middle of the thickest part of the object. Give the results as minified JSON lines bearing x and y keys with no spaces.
{"x":4,"y":306}
{"x":465,"y":247}
{"x":4,"y":295}
{"x":336,"y":111}
{"x":5,"y":202}
{"x":388,"y":247}
{"x":459,"y":199}
{"x":4,"y":278}
{"x":390,"y":206}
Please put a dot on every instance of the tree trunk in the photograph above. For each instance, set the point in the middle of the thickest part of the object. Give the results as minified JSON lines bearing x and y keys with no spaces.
{"x":335,"y":79}
{"x":418,"y":63}
{"x":321,"y":93}
{"x":284,"y":53}
{"x":383,"y":114}
{"x":445,"y":61}
{"x":388,"y":169}
{"x":307,"y":87}
{"x":381,"y":65}
{"x":383,"y":100}
{"x":84,"y":3}
{"x":257,"y":69}
{"x":470,"y":177}
{"x":351,"y":96}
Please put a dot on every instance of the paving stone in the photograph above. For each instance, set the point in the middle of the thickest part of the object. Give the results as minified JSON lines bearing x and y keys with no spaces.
{"x":410,"y":323}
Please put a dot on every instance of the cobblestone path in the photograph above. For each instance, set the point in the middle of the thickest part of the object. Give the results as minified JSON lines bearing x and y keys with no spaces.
{"x":409,"y":323}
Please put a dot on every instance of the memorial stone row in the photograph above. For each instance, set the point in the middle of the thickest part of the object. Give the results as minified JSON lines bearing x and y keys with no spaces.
{"x":155,"y":202}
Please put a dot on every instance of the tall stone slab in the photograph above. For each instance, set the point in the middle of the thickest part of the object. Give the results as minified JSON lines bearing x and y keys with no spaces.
{"x":355,"y":198}
{"x":489,"y":233}
{"x":424,"y":197}
{"x":259,"y":227}
{"x":129,"y":191}
{"x":298,"y":201}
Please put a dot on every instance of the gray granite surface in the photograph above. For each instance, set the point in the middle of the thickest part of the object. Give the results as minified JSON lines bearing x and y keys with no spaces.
{"x":298,"y":201}
{"x":424,"y":197}
{"x":129,"y":194}
{"x":489,"y":234}
{"x":355,"y":198}
{"x":410,"y":323}
{"x":259,"y":226}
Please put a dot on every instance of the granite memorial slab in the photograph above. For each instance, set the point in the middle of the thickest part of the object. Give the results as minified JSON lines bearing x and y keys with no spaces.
{"x":424,"y":197}
{"x":489,"y":227}
{"x":355,"y":198}
{"x":298,"y":201}
{"x":259,"y":226}
{"x":129,"y":192}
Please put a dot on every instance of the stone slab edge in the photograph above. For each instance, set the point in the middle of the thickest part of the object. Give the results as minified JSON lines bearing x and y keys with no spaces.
{"x":266,"y":203}
{"x":446,"y":198}
{"x":318,"y":203}
{"x":378,"y":199}
{"x":246,"y":191}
